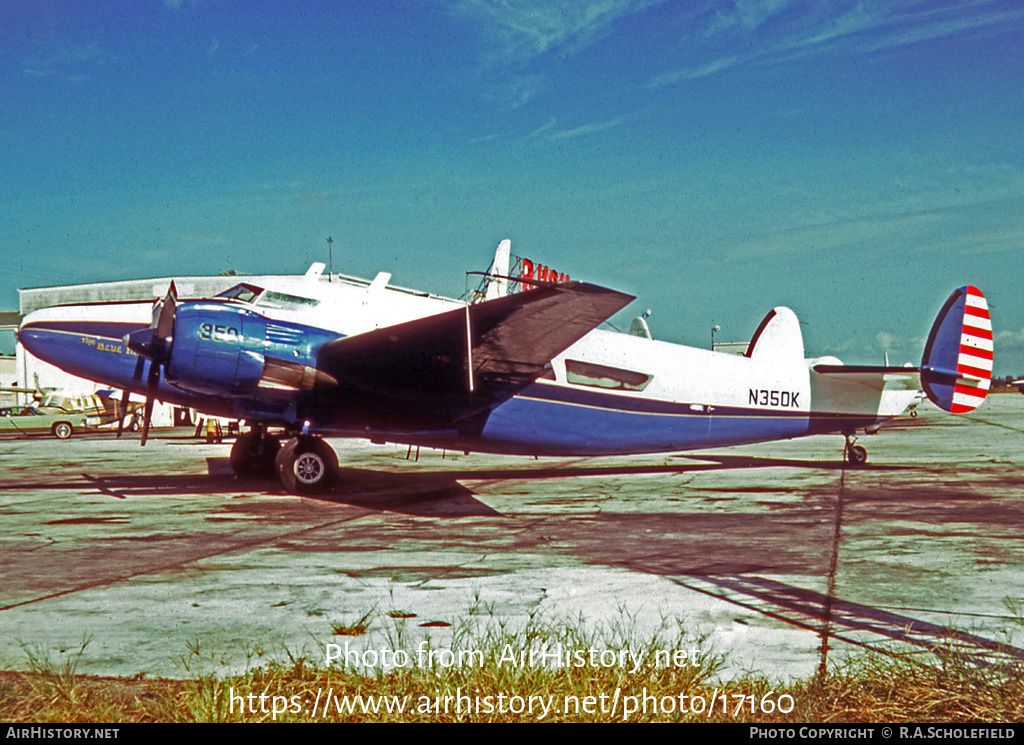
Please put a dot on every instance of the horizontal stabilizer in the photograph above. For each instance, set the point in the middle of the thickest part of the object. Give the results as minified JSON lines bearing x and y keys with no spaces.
{"x":956,"y":370}
{"x":863,"y":369}
{"x":874,"y":377}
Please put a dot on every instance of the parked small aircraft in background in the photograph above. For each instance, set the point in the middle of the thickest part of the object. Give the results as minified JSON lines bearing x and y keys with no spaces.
{"x":102,"y":407}
{"x":68,"y":412}
{"x":524,"y":372}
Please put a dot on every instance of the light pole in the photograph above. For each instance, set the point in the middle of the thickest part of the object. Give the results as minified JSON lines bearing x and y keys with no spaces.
{"x":713,"y":330}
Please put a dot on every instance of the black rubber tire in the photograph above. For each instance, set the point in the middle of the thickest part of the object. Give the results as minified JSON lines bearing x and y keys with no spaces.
{"x":62,"y":430}
{"x":857,"y":455}
{"x":307,"y":465}
{"x":253,"y":457}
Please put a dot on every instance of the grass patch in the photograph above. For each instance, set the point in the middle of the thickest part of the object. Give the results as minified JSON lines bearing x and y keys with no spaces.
{"x":495,"y":680}
{"x":358,"y":628}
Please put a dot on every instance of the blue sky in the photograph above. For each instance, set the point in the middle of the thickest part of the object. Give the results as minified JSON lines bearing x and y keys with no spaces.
{"x":854,"y":161}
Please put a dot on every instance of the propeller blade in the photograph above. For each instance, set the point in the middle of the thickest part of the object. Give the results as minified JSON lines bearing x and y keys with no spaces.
{"x":122,"y":409}
{"x":165,"y":321}
{"x":151,"y":386}
{"x":148,"y":412}
{"x":154,"y":342}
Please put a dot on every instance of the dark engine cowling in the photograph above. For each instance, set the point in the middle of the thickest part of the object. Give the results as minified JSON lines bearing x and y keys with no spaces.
{"x":217,"y":349}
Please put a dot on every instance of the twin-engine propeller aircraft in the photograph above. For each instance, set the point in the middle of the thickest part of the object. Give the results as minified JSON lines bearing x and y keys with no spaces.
{"x":523,"y":373}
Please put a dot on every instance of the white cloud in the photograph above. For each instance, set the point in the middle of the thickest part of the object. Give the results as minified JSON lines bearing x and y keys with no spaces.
{"x":885,"y":340}
{"x":856,"y":27}
{"x":702,"y":70}
{"x":745,"y":14}
{"x":1008,"y":341}
{"x":68,"y":59}
{"x":522,"y":29}
{"x":585,"y":129}
{"x":523,"y":89}
{"x":551,"y":134}
{"x":551,"y":124}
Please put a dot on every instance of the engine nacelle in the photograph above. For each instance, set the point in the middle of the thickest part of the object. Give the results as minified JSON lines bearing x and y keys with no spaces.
{"x":222,"y":350}
{"x":217,"y":349}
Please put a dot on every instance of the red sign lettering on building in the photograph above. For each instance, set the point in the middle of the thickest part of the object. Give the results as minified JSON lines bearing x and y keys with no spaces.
{"x":539,"y":273}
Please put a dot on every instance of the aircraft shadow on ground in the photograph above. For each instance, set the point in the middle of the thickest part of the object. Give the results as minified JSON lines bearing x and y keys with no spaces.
{"x":548,"y":470}
{"x":438,"y":491}
{"x":723,"y":554}
{"x":430,"y":492}
{"x":853,"y":623}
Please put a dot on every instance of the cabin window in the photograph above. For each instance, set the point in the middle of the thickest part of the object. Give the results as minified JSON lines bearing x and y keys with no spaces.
{"x":281,"y":301}
{"x":600,"y":376}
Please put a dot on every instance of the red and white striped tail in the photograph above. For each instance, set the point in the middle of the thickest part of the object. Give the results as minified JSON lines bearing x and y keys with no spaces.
{"x":974,"y":364}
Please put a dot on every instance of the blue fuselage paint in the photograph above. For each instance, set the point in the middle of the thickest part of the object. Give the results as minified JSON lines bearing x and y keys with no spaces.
{"x":555,"y":420}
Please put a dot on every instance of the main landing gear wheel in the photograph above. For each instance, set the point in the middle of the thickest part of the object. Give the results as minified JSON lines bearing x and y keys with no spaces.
{"x":253,"y":455}
{"x":856,"y":455}
{"x":307,"y":465}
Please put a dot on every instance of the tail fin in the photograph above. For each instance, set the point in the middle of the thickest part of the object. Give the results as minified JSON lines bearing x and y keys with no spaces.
{"x":778,"y":338}
{"x":956,"y":370}
{"x":497,"y":282}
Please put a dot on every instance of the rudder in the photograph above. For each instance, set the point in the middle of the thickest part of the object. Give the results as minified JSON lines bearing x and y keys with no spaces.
{"x":956,"y":370}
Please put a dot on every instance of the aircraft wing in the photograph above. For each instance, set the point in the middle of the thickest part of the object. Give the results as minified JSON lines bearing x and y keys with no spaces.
{"x":470,"y":358}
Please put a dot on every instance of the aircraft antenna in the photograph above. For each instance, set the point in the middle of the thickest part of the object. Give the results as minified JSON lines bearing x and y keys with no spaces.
{"x":330,"y":258}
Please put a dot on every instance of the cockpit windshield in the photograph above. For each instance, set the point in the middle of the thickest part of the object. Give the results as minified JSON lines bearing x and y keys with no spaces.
{"x":247,"y":293}
{"x":244,"y":293}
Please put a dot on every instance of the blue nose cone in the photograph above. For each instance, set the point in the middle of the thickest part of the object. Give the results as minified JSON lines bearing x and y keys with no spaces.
{"x":40,"y":342}
{"x":80,"y":351}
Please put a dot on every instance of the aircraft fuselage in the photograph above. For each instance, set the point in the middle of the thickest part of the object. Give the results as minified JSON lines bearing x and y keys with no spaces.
{"x":608,"y":393}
